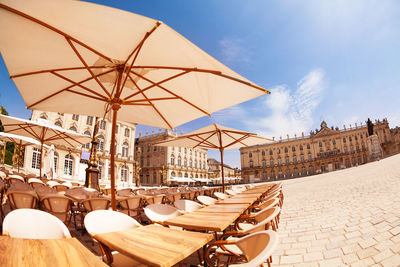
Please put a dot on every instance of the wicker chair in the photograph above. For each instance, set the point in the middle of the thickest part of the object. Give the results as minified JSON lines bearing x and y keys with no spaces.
{"x":220,"y":195}
{"x":61,"y":187}
{"x":34,"y":182}
{"x":59,"y":206}
{"x":2,"y":190}
{"x":92,"y":204}
{"x":158,"y":213}
{"x":248,"y":251}
{"x":132,"y":206}
{"x":20,"y":186}
{"x":125,"y":192}
{"x":185,"y":205}
{"x":206,"y":200}
{"x":22,"y":199}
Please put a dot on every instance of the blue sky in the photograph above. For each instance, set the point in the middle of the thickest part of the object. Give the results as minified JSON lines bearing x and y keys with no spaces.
{"x":337,"y":61}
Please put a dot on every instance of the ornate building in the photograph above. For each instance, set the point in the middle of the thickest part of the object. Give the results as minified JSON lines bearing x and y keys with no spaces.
{"x":214,"y":169}
{"x":174,"y":162}
{"x":68,"y":162}
{"x":324,"y":150}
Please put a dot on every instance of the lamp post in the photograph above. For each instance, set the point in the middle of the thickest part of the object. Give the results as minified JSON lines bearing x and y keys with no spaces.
{"x":137,"y":169}
{"x":164,"y":179}
{"x":92,"y":171}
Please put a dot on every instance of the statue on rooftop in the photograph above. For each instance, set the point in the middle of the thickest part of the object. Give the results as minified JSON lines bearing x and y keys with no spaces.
{"x":370,"y":126}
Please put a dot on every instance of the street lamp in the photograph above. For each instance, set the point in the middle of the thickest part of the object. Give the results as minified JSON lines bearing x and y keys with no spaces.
{"x":164,"y":179}
{"x":92,"y":171}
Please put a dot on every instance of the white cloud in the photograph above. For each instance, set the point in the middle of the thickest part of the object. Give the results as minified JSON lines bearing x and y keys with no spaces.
{"x":233,"y":50}
{"x":291,"y":113}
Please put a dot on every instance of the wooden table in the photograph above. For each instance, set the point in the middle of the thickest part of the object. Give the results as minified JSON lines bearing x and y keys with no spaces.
{"x":155,"y":245}
{"x":45,"y":253}
{"x":203,"y":221}
{"x":234,"y":208}
{"x":237,"y":200}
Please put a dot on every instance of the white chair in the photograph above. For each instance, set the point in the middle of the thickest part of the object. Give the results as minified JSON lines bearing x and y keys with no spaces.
{"x":255,"y":249}
{"x":67,"y":184}
{"x":52,"y":183}
{"x":206,"y":200}
{"x":220,"y":195}
{"x":158,"y":213}
{"x":3,"y":175}
{"x":34,"y":224}
{"x":35,"y":180}
{"x":185,"y":205}
{"x":231,"y":192}
{"x":105,"y":221}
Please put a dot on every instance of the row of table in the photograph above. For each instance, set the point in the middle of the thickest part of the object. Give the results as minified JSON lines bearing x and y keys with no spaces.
{"x":152,"y":245}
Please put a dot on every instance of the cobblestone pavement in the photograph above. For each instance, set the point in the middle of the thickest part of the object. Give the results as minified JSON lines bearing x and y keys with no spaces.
{"x":345,"y":218}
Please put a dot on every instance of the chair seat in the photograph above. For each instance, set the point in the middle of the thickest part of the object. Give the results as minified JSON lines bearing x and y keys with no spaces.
{"x":233,"y":248}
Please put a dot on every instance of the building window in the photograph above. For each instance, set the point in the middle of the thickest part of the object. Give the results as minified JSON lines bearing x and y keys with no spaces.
{"x":309,"y":156}
{"x":351,"y":149}
{"x":293,"y":148}
{"x":264,"y":163}
{"x":103,"y":124}
{"x":172,"y":159}
{"x":344,"y":139}
{"x":263,"y":153}
{"x":185,"y":162}
{"x":190,"y":163}
{"x":73,"y":128}
{"x":179,"y":161}
{"x":116,"y":128}
{"x":124,"y":173}
{"x":148,"y":148}
{"x":251,"y":163}
{"x":279,"y":161}
{"x":100,"y":145}
{"x":154,"y":178}
{"x":270,"y":152}
{"x":294,"y":159}
{"x":287,"y":160}
{"x":195,"y":164}
{"x":301,"y":147}
{"x":89,"y":120}
{"x":75,"y":117}
{"x":323,"y":167}
{"x":100,"y":166}
{"x":286,"y":150}
{"x":88,"y":144}
{"x":320,"y":144}
{"x":58,"y":123}
{"x":147,"y":178}
{"x":125,"y":148}
{"x":302,"y":157}
{"x":68,"y":163}
{"x":278,"y":151}
{"x":148,"y":161}
{"x":334,"y":141}
{"x":271,"y":162}
{"x":250,"y":155}
{"x":345,"y":149}
{"x":127,"y":132}
{"x":350,"y":139}
{"x":55,"y":162}
{"x":308,"y":146}
{"x":36,"y":158}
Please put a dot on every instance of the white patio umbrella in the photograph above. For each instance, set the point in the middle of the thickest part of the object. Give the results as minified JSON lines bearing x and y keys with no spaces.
{"x":19,"y":140}
{"x":215,"y":136}
{"x":84,"y":58}
{"x":44,"y":132}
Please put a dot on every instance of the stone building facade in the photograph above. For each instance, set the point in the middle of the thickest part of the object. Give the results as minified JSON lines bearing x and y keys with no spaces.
{"x":214,"y":169}
{"x":175,"y":162}
{"x":324,"y":150}
{"x":68,"y":161}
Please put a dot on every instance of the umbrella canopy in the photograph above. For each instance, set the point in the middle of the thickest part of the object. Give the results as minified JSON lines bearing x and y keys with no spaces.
{"x":215,"y":136}
{"x":43,"y":132}
{"x":20,"y":141}
{"x":60,"y":53}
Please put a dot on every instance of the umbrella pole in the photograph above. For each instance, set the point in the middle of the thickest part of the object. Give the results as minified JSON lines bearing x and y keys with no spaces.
{"x":41,"y":157}
{"x":115,"y":108}
{"x":19,"y":154}
{"x":222,"y":169}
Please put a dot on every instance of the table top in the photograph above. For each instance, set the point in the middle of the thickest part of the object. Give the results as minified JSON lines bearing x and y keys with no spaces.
{"x":234,"y":208}
{"x":203,"y":221}
{"x":155,"y":245}
{"x":45,"y":252}
{"x":234,"y":200}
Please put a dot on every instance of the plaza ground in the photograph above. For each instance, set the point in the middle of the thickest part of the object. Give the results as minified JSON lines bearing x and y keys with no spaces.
{"x":349,"y":217}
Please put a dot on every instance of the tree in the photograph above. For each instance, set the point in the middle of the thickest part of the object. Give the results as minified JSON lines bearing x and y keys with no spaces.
{"x":9,"y":145}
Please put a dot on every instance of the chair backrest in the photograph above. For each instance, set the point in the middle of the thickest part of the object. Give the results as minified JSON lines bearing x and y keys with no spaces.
{"x":131,"y":205}
{"x":78,"y":193}
{"x":268,"y":204}
{"x":43,"y":190}
{"x":52,"y":183}
{"x":96,"y":204}
{"x":34,"y":224}
{"x":20,"y":186}
{"x":3,"y":174}
{"x":161,"y":212}
{"x":35,"y":180}
{"x":187,"y":205}
{"x":16,"y":176}
{"x":59,"y":206}
{"x":104,"y":221}
{"x":257,"y":247}
{"x":220,"y":195}
{"x":22,"y":200}
{"x":60,"y":187}
{"x":124,"y":192}
{"x":231,"y":192}
{"x":263,"y":219}
{"x":205,"y":200}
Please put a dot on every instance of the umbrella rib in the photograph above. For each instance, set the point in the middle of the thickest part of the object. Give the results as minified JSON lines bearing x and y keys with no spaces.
{"x":237,"y":140}
{"x":154,"y":107}
{"x":137,"y":51}
{"x":23,"y":127}
{"x":79,"y":85}
{"x":205,"y":140}
{"x":215,"y":72}
{"x":17,"y":12}
{"x":86,"y":95}
{"x":156,"y":84}
{"x":165,"y":89}
{"x":53,"y":70}
{"x":65,"y":89}
{"x":87,"y":66}
{"x":151,"y":99}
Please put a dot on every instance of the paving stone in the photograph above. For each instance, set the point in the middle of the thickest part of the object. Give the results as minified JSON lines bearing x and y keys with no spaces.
{"x":291,"y":259}
{"x":368,"y":252}
{"x":383,"y":255}
{"x":393,"y":261}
